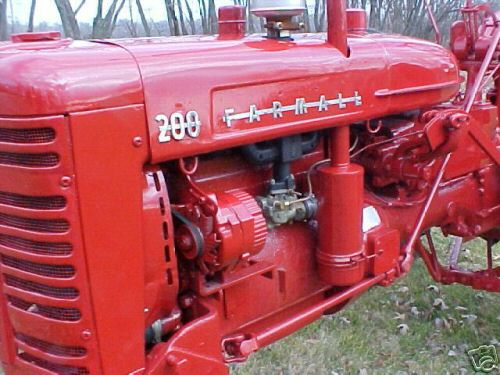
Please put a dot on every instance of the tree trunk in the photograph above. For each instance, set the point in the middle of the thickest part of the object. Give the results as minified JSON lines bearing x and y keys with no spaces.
{"x":104,"y":27}
{"x":192,"y":23}
{"x":307,"y":21}
{"x":173,"y":23}
{"x":203,"y":16}
{"x":3,"y":20}
{"x":212,"y":17}
{"x":68,"y":19}
{"x":144,"y":21}
{"x":31,"y":21}
{"x":181,"y":18}
{"x":250,"y":25}
{"x":131,"y":25}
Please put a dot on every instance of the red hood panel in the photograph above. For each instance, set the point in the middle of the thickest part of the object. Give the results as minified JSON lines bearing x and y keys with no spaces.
{"x":211,"y":76}
{"x":62,"y":76}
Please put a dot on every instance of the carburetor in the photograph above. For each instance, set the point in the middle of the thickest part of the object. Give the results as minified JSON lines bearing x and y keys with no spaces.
{"x":283,"y":204}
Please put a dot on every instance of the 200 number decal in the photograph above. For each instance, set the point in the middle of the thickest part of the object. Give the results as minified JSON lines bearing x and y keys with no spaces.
{"x":178,"y":125}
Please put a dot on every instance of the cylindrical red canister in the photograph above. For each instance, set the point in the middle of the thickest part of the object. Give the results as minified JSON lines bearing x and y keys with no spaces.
{"x":356,"y":20}
{"x":232,"y":22}
{"x":340,"y":213}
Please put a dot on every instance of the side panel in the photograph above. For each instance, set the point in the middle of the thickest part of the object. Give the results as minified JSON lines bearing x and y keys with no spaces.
{"x":110,"y":182}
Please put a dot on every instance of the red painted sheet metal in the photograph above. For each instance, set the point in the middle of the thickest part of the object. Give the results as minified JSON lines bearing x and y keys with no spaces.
{"x":110,"y":182}
{"x":45,"y":293}
{"x":61,"y":76}
{"x":210,"y":76}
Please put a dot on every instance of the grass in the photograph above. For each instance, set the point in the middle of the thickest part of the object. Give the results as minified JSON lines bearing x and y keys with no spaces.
{"x":365,"y":338}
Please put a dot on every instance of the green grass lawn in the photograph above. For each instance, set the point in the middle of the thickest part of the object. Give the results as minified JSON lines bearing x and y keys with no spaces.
{"x":443,"y":322}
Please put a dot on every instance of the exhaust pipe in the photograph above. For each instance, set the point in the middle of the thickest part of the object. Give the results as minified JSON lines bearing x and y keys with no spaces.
{"x":337,"y":25}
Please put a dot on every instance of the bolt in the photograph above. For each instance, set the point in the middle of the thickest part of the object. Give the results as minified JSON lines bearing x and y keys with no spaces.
{"x":172,"y":360}
{"x":186,"y":301}
{"x":137,"y":141}
{"x":66,"y":181}
{"x":185,"y":242}
{"x":86,"y":334}
{"x":458,"y":120}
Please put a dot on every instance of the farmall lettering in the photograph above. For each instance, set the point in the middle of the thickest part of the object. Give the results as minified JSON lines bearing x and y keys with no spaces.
{"x":300,"y":107}
{"x":178,"y":125}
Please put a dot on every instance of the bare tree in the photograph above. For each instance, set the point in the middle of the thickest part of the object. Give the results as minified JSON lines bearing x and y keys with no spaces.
{"x":212,"y":17}
{"x":32,"y":16}
{"x":3,"y":20}
{"x":173,"y":22}
{"x":192,"y":24}
{"x":79,"y":7}
{"x":181,"y":18}
{"x":203,"y":16}
{"x":131,"y":25}
{"x":103,"y":26}
{"x":407,"y":17}
{"x":307,"y":20}
{"x":145,"y":24}
{"x":68,"y":19}
{"x":319,"y":15}
{"x":250,"y":18}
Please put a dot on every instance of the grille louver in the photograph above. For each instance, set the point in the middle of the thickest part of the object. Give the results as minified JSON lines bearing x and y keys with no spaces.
{"x":58,"y":369}
{"x":62,"y":351}
{"x":57,"y":313}
{"x":47,"y":290}
{"x":35,"y":247}
{"x":45,"y":160}
{"x":27,"y":136}
{"x":33,"y":203}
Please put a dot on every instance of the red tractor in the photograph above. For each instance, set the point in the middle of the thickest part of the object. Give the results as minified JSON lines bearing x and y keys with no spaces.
{"x":172,"y":205}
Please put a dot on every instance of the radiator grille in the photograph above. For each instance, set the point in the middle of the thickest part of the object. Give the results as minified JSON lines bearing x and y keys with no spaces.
{"x":59,"y":369}
{"x":35,"y":225}
{"x":35,"y":247}
{"x":51,"y":312}
{"x":49,"y":270}
{"x":43,"y":160}
{"x":42,"y":263}
{"x":47,"y":290}
{"x":62,"y":351}
{"x":34,"y":203}
{"x":27,"y":136}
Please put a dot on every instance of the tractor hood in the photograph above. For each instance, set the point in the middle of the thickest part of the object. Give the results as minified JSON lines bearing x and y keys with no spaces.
{"x":254,"y":88}
{"x":202,"y":93}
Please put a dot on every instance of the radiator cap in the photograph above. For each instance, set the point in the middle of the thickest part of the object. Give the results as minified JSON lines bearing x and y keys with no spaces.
{"x":277,"y":9}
